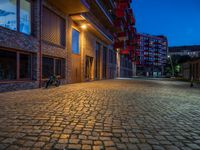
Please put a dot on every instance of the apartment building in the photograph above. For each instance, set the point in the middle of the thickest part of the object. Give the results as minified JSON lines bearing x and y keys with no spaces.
{"x":125,"y":34}
{"x":71,"y":39}
{"x":151,"y":55}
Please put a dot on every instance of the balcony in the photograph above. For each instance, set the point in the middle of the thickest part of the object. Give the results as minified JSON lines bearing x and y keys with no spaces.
{"x":119,"y":45}
{"x":97,"y":26}
{"x":105,"y":11}
{"x":109,"y":3}
{"x":119,"y":26}
{"x":112,"y":3}
{"x":93,"y":25}
{"x":122,"y":36}
{"x":71,"y":6}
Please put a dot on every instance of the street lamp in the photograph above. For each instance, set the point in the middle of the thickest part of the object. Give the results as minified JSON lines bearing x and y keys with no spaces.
{"x":171,"y":65}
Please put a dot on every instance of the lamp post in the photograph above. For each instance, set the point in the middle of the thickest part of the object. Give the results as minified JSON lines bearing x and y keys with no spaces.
{"x":171,"y":65}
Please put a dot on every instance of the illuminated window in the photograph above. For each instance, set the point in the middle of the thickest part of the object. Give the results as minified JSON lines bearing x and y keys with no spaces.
{"x":75,"y":42}
{"x":8,"y":15}
{"x":25,"y":16}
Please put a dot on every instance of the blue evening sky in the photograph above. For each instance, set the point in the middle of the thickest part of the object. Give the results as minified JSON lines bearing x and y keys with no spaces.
{"x":179,"y":20}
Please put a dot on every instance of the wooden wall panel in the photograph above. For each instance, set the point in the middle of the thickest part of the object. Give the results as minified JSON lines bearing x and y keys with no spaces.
{"x":76,"y":68}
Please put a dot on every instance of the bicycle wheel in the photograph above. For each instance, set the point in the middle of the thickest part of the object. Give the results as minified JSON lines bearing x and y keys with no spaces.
{"x":57,"y":84}
{"x":47,"y":84}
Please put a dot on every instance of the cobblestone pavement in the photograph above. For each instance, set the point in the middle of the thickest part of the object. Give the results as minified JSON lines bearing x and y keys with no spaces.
{"x":113,"y":114}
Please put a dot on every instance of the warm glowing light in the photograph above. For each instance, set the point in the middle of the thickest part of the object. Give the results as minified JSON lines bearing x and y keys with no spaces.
{"x":84,"y":26}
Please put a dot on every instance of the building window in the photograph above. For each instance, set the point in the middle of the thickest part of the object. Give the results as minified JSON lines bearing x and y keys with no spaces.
{"x":9,"y":13}
{"x":53,"y":28}
{"x":60,"y":68}
{"x":47,"y":67}
{"x":25,"y":66}
{"x":75,"y":42}
{"x":8,"y":65}
{"x":53,"y":66}
{"x":25,"y":16}
{"x":12,"y":68}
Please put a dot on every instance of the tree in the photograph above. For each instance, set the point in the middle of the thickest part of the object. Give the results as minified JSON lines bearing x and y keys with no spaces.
{"x":177,"y":60}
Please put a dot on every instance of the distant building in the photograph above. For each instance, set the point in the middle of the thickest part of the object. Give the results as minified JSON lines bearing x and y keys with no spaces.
{"x":151,"y":55}
{"x":192,"y":51}
{"x":191,"y":69}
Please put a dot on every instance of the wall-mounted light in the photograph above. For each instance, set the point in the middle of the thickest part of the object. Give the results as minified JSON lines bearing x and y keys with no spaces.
{"x":84,"y":26}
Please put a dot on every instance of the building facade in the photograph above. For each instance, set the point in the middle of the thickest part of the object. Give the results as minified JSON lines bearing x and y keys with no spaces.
{"x":71,"y":39}
{"x":150,"y":55}
{"x":192,"y":51}
{"x":191,"y":69}
{"x":124,"y":38}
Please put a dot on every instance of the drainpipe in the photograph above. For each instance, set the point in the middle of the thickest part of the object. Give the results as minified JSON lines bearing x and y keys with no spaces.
{"x":40,"y":45}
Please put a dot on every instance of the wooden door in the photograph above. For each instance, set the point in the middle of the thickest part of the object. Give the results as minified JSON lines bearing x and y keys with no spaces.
{"x":76,"y":68}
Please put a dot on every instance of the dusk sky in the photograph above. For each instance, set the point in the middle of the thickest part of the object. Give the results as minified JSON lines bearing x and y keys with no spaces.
{"x":179,"y":20}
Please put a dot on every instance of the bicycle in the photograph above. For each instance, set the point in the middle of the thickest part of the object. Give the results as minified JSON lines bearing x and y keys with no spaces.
{"x":52,"y":81}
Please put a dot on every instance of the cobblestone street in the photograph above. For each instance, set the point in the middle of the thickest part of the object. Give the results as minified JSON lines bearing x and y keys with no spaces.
{"x":112,"y":114}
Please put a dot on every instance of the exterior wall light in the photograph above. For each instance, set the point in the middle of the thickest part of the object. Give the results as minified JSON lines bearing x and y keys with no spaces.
{"x":84,"y":26}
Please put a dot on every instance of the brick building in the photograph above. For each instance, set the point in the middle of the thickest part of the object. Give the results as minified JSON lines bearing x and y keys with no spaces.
{"x":150,"y":55}
{"x":72,"y":39}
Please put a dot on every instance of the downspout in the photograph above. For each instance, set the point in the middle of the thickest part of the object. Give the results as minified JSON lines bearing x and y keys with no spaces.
{"x":40,"y":45}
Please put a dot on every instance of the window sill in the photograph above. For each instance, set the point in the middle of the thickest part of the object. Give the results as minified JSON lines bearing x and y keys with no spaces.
{"x":77,"y":54}
{"x":61,"y":78}
{"x":17,"y":32}
{"x":15,"y":81}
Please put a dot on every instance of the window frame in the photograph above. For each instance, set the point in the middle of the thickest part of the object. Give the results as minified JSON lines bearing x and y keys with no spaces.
{"x":18,"y":18}
{"x":18,"y":65}
{"x":55,"y":71}
{"x":31,"y":16}
{"x":54,"y":67}
{"x":79,"y":42}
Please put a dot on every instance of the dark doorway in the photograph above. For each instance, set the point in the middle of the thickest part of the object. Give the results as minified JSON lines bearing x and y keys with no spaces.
{"x":97,"y":63}
{"x":104,"y":62}
{"x":88,"y":67}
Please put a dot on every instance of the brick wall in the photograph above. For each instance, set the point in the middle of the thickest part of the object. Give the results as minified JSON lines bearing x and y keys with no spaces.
{"x":16,"y":41}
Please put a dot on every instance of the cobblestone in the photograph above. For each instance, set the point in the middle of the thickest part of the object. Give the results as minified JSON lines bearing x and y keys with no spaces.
{"x":110,"y":114}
